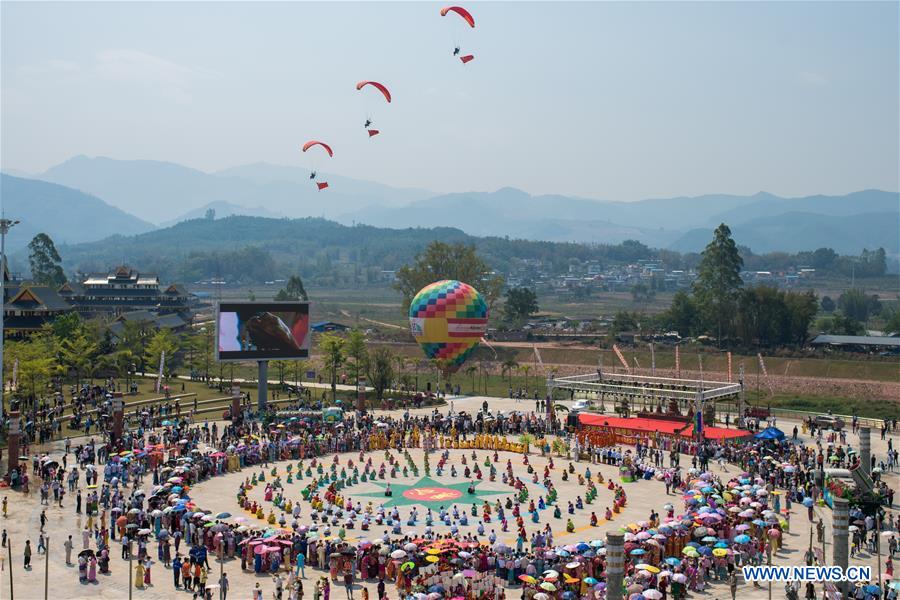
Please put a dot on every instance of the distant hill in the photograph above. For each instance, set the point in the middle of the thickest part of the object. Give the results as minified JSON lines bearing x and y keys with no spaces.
{"x":67,"y":215}
{"x":160,"y":191}
{"x":222,"y":210}
{"x":795,"y":232}
{"x":318,"y":248}
{"x":678,"y":223}
{"x":165,"y":193}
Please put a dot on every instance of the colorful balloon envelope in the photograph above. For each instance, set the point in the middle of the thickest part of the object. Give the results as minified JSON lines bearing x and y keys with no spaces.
{"x":448,"y":319}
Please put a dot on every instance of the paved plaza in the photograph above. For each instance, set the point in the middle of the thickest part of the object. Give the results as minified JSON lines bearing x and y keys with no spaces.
{"x":410,"y":492}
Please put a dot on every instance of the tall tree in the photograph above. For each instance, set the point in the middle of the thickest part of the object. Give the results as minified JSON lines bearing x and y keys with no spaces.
{"x":448,"y":261}
{"x":719,"y":280}
{"x":162,"y":341}
{"x":45,"y":261}
{"x":682,"y":315}
{"x":331,"y":347}
{"x":77,"y":352}
{"x":857,"y":305}
{"x":358,"y":353}
{"x":381,"y":371}
{"x":521,"y":303}
{"x":294,"y":290}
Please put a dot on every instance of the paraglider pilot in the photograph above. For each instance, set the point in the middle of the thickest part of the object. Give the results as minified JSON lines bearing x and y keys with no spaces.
{"x":312,"y":175}
{"x":368,"y":122}
{"x":456,"y":51}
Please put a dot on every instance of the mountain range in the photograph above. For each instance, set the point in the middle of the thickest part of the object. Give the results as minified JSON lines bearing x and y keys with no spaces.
{"x":66,"y":215}
{"x":107,"y":192}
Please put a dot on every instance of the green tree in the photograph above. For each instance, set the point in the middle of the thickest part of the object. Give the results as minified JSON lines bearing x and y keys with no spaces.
{"x":828,"y":304}
{"x":66,"y":325}
{"x":521,"y":303}
{"x":471,"y":370}
{"x":892,"y":325}
{"x":381,"y":371}
{"x":719,"y":281}
{"x":77,"y":352}
{"x":448,"y":261}
{"x":857,"y":305}
{"x":508,"y":367}
{"x":161,"y":341}
{"x":331,"y":347}
{"x":45,"y":261}
{"x":357,"y":351}
{"x":294,"y":290}
{"x":624,"y":321}
{"x":683,"y":315}
{"x":802,"y":308}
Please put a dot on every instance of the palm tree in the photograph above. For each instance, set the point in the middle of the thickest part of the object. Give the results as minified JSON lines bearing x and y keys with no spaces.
{"x":401,"y":365}
{"x":507,"y":368}
{"x":471,"y":370}
{"x":526,"y":369}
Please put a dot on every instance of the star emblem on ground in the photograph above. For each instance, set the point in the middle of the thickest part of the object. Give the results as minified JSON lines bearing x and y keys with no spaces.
{"x":430,"y":493}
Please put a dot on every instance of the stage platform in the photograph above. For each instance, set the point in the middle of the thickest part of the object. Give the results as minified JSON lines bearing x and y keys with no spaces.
{"x":640,"y":426}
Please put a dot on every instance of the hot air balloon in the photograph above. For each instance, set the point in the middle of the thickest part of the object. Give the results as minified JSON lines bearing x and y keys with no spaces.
{"x":448,"y":318}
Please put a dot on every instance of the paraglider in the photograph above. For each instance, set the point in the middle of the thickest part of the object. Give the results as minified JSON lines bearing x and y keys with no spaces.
{"x":448,"y":319}
{"x":467,"y":17}
{"x":321,"y":185}
{"x":387,"y":96}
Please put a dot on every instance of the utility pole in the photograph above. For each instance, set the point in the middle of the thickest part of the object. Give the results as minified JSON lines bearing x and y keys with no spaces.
{"x":5,"y":225}
{"x":46,"y":567}
{"x":12,"y":591}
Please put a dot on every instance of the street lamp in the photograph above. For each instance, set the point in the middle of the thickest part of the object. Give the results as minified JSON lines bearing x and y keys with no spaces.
{"x":5,"y":226}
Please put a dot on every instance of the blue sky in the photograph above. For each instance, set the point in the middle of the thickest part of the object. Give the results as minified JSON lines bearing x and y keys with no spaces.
{"x":618,"y":101}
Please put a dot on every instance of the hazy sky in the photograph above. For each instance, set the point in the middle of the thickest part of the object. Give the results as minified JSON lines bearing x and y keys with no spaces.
{"x":618,"y":101}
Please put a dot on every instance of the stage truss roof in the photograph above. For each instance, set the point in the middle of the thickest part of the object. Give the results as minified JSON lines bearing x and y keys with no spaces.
{"x":666,"y":388}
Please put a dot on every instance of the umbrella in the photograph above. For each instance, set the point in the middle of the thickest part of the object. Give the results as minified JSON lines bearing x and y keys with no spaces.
{"x":223,"y":515}
{"x":143,"y":532}
{"x":679,"y":577}
{"x":590,"y":580}
{"x":86,"y":553}
{"x":808,"y":502}
{"x":742,"y":539}
{"x":407,"y":566}
{"x":432,"y":558}
{"x":548,"y":586}
{"x":550,"y":573}
{"x":398,"y":554}
{"x":652,"y":594}
{"x":638,"y":552}
{"x":471,"y":573}
{"x":541,"y":596}
{"x":720,"y":552}
{"x":527,"y":579}
{"x":673,"y":561}
{"x":646,"y":567}
{"x":573,"y":565}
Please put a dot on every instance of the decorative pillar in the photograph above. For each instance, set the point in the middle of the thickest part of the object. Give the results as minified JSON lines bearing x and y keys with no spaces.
{"x":118,"y":415}
{"x":262,"y":386}
{"x":615,"y":565}
{"x":840,"y":532}
{"x":12,"y":442}
{"x":361,"y":394}
{"x":865,"y":450}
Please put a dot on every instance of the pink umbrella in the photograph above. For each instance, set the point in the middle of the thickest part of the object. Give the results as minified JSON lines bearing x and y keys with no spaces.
{"x":260,"y":549}
{"x":469,"y":573}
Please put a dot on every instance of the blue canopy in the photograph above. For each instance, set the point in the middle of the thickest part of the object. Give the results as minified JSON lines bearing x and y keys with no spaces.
{"x":770,"y":433}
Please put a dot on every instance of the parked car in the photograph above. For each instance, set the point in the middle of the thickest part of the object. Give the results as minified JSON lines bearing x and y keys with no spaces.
{"x":829,"y":422}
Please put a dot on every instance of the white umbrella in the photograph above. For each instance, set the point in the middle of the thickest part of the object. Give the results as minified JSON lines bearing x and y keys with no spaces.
{"x":398,"y":554}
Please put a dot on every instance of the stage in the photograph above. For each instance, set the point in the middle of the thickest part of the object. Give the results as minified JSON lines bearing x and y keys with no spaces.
{"x":641,"y":426}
